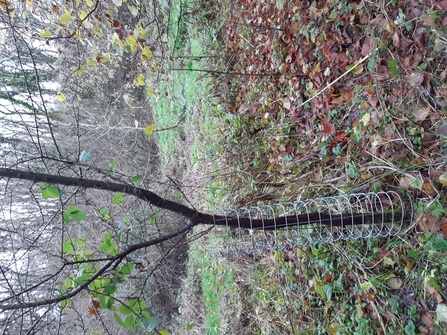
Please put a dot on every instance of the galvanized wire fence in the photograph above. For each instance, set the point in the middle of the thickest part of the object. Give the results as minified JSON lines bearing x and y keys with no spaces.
{"x":251,"y":230}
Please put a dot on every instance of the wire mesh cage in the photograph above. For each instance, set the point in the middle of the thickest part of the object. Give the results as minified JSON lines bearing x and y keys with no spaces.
{"x":251,"y":230}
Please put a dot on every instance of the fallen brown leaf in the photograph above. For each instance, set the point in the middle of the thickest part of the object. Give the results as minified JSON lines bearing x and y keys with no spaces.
{"x":434,"y":292}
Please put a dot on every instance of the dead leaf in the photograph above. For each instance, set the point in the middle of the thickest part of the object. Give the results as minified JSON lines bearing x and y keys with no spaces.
{"x":329,"y":129}
{"x":415,"y":79}
{"x":428,"y":188}
{"x":433,"y":291}
{"x":421,"y":114}
{"x":441,"y":312}
{"x":427,"y":320}
{"x":396,"y":40}
{"x":443,"y":179}
{"x":404,"y":183}
{"x":420,"y":36}
{"x":442,"y":5}
{"x":429,"y":223}
{"x":394,"y":283}
{"x":443,"y":226}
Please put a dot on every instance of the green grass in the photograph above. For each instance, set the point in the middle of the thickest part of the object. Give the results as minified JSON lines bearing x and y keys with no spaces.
{"x":180,"y":95}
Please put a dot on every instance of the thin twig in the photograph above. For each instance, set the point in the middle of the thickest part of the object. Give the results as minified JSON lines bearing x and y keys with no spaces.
{"x":336,"y":80}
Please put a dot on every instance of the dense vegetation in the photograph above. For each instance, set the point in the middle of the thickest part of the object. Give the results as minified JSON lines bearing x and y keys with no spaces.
{"x":217,"y":104}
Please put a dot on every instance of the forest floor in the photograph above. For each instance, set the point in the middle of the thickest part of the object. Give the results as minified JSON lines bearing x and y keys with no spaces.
{"x":326,"y":98}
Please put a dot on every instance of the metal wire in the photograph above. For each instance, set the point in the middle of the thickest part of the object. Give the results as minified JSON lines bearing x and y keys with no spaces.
{"x":253,"y":230}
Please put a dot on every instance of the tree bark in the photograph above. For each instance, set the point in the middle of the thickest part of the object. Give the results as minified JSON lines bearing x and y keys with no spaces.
{"x":195,"y":217}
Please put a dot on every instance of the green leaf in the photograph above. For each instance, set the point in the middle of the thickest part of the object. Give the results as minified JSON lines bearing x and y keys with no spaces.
{"x":45,"y":33}
{"x":415,"y":254}
{"x":50,"y":192}
{"x":118,"y":199}
{"x":137,"y":178}
{"x":66,"y":217}
{"x":111,"y":166}
{"x":68,"y":247}
{"x":102,"y":302}
{"x":117,"y":3}
{"x":125,"y":310}
{"x":410,"y":328}
{"x":75,"y":213}
{"x":105,"y":213}
{"x":127,"y":269}
{"x":81,"y":241}
{"x":118,"y":319}
{"x":129,"y":323}
{"x":323,"y":151}
{"x":416,"y":183}
{"x":439,"y":243}
{"x":149,"y":129}
{"x":164,"y":332}
{"x":65,"y":303}
{"x":327,"y":288}
{"x":109,"y":289}
{"x":154,"y":216}
{"x":392,"y":65}
{"x":110,"y":303}
{"x":65,"y":18}
{"x":336,"y":150}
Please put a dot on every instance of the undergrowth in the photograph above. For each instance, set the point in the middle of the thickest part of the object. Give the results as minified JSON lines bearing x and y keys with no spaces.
{"x":336,"y":98}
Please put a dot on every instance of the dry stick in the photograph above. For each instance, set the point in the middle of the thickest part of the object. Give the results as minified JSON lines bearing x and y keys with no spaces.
{"x":333,"y":82}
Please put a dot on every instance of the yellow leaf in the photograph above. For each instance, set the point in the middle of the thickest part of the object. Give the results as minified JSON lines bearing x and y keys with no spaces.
{"x":131,"y":40}
{"x":358,"y":69}
{"x":149,"y":129}
{"x":78,"y":34}
{"x":333,"y":328}
{"x":105,"y":58}
{"x":140,"y":79}
{"x":147,"y":53}
{"x":61,"y":97}
{"x":443,"y":179}
{"x":45,"y":33}
{"x":91,"y":63}
{"x":366,"y":118}
{"x":150,"y":91}
{"x":82,"y":15}
{"x":89,"y":3}
{"x":81,"y":71}
{"x":66,"y":18}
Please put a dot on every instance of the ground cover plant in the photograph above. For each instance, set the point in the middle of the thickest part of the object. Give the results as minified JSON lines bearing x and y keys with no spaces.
{"x":327,"y":98}
{"x":123,"y":121}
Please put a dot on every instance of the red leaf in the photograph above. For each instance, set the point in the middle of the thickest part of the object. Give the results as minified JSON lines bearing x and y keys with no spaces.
{"x":329,"y":128}
{"x":442,"y":5}
{"x":92,"y":310}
